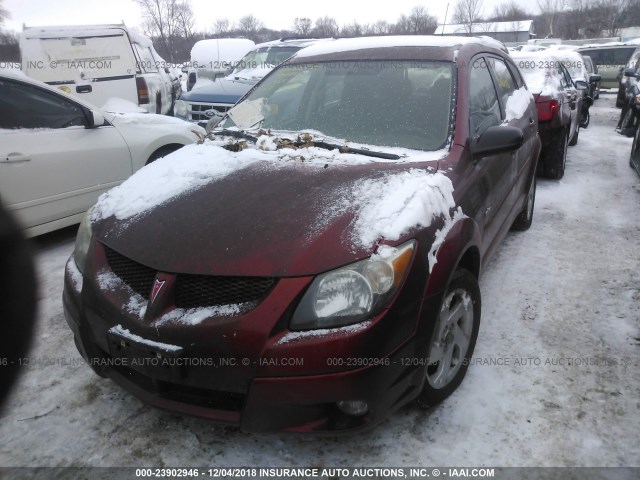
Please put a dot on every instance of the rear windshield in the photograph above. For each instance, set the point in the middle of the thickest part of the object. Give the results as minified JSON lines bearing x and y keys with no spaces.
{"x":386,"y":103}
{"x":74,"y":59}
{"x":610,"y":56}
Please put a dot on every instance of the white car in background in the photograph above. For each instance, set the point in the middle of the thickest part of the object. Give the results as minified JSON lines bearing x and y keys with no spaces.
{"x":58,"y":153}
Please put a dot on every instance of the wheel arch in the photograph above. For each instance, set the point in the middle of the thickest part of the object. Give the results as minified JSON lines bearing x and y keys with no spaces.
{"x":162,"y":151}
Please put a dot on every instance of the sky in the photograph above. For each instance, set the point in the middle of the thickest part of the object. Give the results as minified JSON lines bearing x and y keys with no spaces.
{"x":276,"y":15}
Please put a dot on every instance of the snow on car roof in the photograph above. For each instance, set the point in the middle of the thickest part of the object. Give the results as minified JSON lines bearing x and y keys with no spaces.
{"x":362,"y":43}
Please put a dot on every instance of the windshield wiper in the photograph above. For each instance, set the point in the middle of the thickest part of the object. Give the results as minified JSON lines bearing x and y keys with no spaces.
{"x":346,"y":149}
{"x":236,"y":134}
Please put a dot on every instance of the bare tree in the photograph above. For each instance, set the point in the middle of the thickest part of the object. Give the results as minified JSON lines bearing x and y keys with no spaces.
{"x":352,"y":30}
{"x":510,"y":11}
{"x":549,"y":10}
{"x":614,"y":12}
{"x":250,"y":27}
{"x":381,"y":27}
{"x":326,"y":27}
{"x":467,"y":12}
{"x":186,"y":21}
{"x":221,"y":27}
{"x":402,"y":26}
{"x":4,"y":13}
{"x":421,"y":22}
{"x":302,"y":26}
{"x":166,"y":20}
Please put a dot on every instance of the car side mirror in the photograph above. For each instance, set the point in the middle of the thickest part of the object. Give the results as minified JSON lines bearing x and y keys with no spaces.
{"x":497,"y":139}
{"x":595,"y":78}
{"x":96,"y":119}
{"x":630,"y":72}
{"x":581,"y":85}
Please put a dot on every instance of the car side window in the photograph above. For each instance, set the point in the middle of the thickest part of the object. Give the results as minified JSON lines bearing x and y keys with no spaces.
{"x":27,"y":106}
{"x":565,"y":77}
{"x":149,"y":63}
{"x":504,"y":79}
{"x":484,"y":108}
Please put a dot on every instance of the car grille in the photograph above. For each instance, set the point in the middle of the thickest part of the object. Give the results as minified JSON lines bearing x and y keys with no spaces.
{"x":135,"y":275}
{"x":193,"y":291}
{"x":196,"y":110}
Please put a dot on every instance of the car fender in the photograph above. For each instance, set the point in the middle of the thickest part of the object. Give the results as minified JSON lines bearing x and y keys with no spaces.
{"x":460,"y":247}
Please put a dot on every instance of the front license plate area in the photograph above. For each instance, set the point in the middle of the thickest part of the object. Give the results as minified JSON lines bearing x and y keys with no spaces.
{"x":149,"y":360}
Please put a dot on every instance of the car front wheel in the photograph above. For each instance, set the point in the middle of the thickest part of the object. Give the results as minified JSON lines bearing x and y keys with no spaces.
{"x":453,"y":339}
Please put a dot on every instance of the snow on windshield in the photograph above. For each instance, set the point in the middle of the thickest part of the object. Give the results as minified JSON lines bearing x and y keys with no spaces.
{"x":398,"y":104}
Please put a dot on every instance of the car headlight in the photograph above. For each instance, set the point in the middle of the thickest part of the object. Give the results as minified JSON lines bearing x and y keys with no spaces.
{"x":181,"y":109}
{"x":353,"y":293}
{"x":83,"y":240}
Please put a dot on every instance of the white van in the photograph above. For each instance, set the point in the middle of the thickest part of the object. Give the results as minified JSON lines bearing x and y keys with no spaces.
{"x":97,"y":63}
{"x":215,"y":57}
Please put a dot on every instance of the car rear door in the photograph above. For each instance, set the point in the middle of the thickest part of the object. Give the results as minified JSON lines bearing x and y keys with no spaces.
{"x":51,"y":166}
{"x":573,"y":98}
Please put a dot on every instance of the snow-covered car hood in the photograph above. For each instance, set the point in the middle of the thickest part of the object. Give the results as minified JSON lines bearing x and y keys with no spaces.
{"x":148,"y":131}
{"x":207,"y":210}
{"x":223,"y":90}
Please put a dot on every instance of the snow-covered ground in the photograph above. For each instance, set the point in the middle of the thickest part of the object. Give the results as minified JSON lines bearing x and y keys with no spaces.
{"x":555,"y":379}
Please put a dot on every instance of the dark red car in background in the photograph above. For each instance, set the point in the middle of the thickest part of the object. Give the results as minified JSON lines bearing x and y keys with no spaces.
{"x":559,"y":103}
{"x":314,"y":264}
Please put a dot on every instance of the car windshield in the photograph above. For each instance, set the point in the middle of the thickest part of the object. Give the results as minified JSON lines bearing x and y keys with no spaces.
{"x":386,"y":103}
{"x":262,"y":60}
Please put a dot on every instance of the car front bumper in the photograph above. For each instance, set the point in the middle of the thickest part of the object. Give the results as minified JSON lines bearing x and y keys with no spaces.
{"x":271,"y":393}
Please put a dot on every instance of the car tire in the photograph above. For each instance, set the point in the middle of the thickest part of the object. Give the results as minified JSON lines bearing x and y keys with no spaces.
{"x":634,"y":158}
{"x":584,"y":121}
{"x":574,"y":140}
{"x":525,"y":217}
{"x":162,"y":152}
{"x":453,"y":339}
{"x":556,"y":157}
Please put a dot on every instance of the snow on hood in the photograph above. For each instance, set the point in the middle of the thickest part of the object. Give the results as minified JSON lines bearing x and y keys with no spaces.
{"x":384,"y":207}
{"x":120,"y":105}
{"x":389,"y":207}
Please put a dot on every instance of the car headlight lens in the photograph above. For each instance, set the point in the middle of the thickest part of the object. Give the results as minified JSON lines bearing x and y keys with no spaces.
{"x":83,"y":240}
{"x":181,"y":109}
{"x":353,"y":293}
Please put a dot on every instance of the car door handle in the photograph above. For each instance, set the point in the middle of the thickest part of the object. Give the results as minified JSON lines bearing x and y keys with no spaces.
{"x":83,"y":89}
{"x":16,"y":158}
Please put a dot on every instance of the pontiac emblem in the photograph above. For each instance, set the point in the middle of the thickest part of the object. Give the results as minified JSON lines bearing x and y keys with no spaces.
{"x":157,"y":286}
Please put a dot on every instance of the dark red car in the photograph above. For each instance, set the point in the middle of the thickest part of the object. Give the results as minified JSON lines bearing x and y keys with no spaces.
{"x":314,"y":265}
{"x":558,"y":102}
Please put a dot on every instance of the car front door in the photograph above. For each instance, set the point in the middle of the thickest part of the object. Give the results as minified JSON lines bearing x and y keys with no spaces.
{"x":497,"y":171}
{"x":51,"y":166}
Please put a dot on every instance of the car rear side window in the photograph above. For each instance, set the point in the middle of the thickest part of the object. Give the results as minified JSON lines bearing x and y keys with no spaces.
{"x":27,"y":106}
{"x":484,"y":108}
{"x":504,"y":79}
